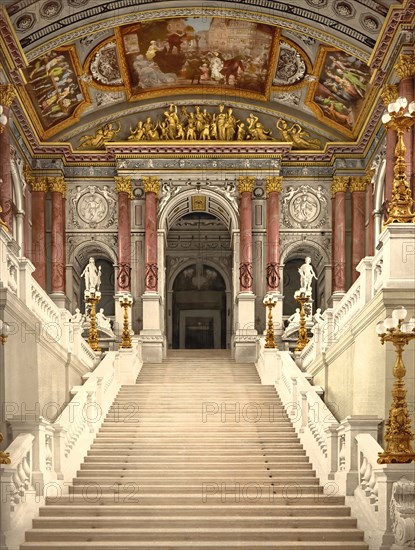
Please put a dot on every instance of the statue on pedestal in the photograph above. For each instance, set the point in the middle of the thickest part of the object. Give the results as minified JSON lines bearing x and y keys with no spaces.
{"x":92,"y":276}
{"x":307,"y":275}
{"x":103,"y":321}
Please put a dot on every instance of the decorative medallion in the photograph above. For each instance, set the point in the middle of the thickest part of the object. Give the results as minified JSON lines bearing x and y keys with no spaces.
{"x":25,"y":22}
{"x":199,"y":203}
{"x":51,"y":9}
{"x":291,"y":67}
{"x":104,"y":66}
{"x":344,"y":9}
{"x":304,"y":207}
{"x":370,"y":23}
{"x":92,"y":206}
{"x":317,"y":3}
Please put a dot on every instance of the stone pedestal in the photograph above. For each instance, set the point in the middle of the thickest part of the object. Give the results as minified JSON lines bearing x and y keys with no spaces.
{"x":151,"y":335}
{"x":245,"y":333}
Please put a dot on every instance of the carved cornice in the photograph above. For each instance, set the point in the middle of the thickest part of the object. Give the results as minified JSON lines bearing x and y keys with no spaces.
{"x":7,"y":95}
{"x":39,"y":184}
{"x":340,"y":184}
{"x":389,"y":93}
{"x":57,"y":184}
{"x":405,"y":66}
{"x":273,"y":184}
{"x":151,"y":184}
{"x":123,"y":184}
{"x":246,"y":184}
{"x":359,"y":183}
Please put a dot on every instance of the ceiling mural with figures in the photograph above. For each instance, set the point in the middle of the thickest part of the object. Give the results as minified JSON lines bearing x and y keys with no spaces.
{"x":296,"y":74}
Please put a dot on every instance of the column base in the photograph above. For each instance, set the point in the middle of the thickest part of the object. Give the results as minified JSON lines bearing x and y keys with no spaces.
{"x":60,"y":299}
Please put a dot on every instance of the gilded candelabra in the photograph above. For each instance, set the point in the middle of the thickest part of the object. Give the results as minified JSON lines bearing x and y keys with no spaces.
{"x":4,"y":332}
{"x":92,"y":297}
{"x":269,"y":302}
{"x":400,"y":120}
{"x":126,"y":302}
{"x":302,"y":297}
{"x":399,"y":434}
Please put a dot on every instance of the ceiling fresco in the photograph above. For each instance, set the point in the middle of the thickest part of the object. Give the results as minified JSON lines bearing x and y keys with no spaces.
{"x":301,"y":71}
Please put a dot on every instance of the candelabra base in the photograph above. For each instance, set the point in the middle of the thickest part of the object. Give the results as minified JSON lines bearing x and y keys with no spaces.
{"x":396,"y":458}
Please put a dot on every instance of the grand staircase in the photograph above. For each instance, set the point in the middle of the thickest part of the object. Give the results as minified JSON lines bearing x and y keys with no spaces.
{"x":197,"y":454}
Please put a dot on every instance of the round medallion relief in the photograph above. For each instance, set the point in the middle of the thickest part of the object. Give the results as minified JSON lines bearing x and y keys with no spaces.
{"x":51,"y":9}
{"x":92,"y":207}
{"x":304,"y":208}
{"x":25,"y":22}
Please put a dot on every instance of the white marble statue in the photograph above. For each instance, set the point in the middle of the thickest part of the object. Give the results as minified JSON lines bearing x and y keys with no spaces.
{"x":307,"y":275}
{"x":294,"y":320}
{"x":317,"y":317}
{"x":78,"y":317}
{"x":92,"y":275}
{"x":102,"y":320}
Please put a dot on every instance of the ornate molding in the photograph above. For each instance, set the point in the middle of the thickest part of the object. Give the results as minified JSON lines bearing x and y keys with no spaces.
{"x":151,"y":184}
{"x":151,"y":276}
{"x":7,"y":95}
{"x":245,"y":275}
{"x":340,"y":184}
{"x":405,"y":66}
{"x":389,"y":93}
{"x":57,"y":184}
{"x":123,"y":184}
{"x":359,"y":183}
{"x":246,"y":184}
{"x":272,"y":275}
{"x":39,"y":184}
{"x":273,"y":184}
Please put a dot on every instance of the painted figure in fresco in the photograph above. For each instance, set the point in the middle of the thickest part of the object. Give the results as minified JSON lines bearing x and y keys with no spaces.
{"x":307,"y":274}
{"x":231,"y":68}
{"x":175,"y":41}
{"x":92,"y":276}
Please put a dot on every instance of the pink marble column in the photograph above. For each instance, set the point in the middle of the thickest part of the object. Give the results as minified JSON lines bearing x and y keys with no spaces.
{"x":391,"y":139}
{"x":151,"y":188}
{"x":370,"y":242}
{"x":338,"y":189}
{"x":39,"y":189}
{"x":7,"y":96}
{"x":57,"y":187}
{"x":358,"y":191}
{"x":245,"y":188}
{"x":273,"y":188}
{"x":27,"y":217}
{"x":123,"y":186}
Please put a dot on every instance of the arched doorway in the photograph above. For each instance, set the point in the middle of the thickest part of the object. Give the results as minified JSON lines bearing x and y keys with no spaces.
{"x":199,"y":308}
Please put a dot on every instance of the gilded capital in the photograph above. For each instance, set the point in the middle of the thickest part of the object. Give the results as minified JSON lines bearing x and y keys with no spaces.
{"x":151,"y":184}
{"x":405,"y":66}
{"x":359,"y":183}
{"x":246,"y":184}
{"x":389,"y":93}
{"x":123,"y":184}
{"x":7,"y":94}
{"x":57,"y":184}
{"x":339,"y":185}
{"x":273,"y":184}
{"x":39,"y":184}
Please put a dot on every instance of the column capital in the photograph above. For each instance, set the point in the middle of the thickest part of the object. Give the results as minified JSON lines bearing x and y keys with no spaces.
{"x":273,"y":184}
{"x":7,"y":95}
{"x":359,"y":183}
{"x":405,"y":65}
{"x":39,"y":184}
{"x":389,"y":93}
{"x":123,"y":184}
{"x":339,"y":185}
{"x":246,"y":184}
{"x":57,"y":184}
{"x":151,"y":184}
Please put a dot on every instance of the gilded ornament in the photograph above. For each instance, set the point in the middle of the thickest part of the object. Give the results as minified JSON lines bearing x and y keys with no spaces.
{"x":405,"y":66}
{"x":302,"y":298}
{"x":102,"y":136}
{"x":389,"y":93}
{"x":269,"y":302}
{"x":92,"y":299}
{"x":340,"y":184}
{"x":126,"y":342}
{"x":273,"y":184}
{"x":39,"y":184}
{"x":359,"y":183}
{"x":57,"y":184}
{"x":4,"y":457}
{"x":246,"y":184}
{"x":296,"y":135}
{"x":7,"y":95}
{"x":123,"y":184}
{"x":3,"y":224}
{"x":151,"y":184}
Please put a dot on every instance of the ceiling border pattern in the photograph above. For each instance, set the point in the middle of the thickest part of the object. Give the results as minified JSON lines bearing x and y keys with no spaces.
{"x":130,"y":18}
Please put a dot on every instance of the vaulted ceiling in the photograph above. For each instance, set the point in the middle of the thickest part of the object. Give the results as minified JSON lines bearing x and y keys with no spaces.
{"x":291,"y":71}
